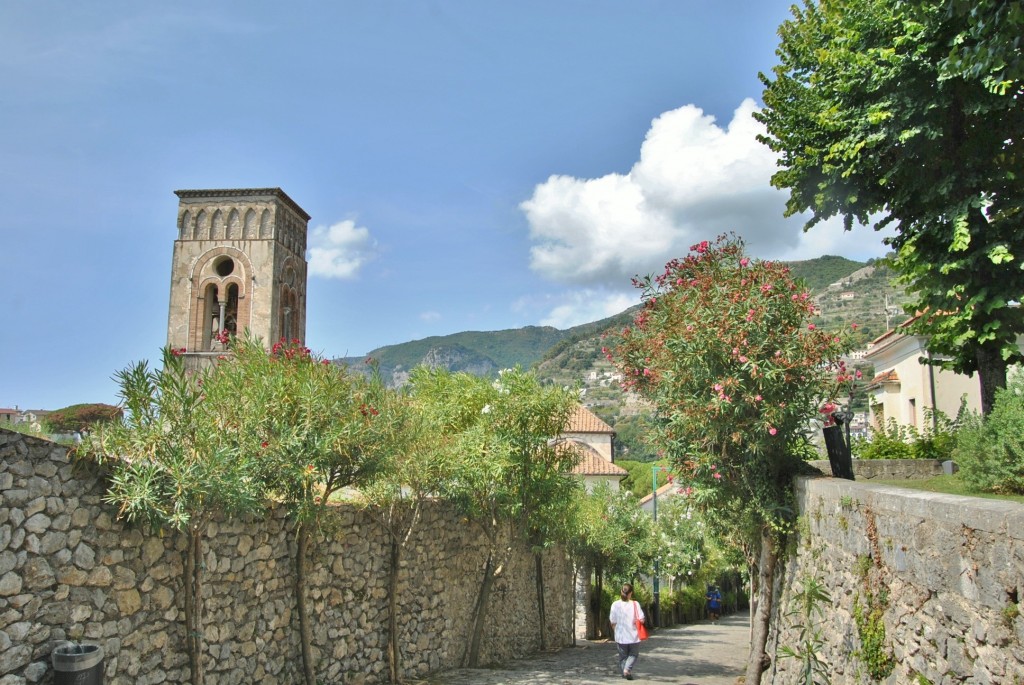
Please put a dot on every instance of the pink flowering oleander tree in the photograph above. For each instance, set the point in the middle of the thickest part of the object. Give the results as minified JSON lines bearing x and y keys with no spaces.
{"x":725,"y":349}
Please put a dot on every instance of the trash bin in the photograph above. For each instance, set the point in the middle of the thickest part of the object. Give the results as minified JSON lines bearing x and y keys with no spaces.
{"x":77,"y":664}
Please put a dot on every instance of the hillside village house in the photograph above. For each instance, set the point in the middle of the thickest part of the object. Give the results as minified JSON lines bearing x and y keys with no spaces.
{"x":595,"y":439}
{"x":34,"y":418}
{"x":903,"y":388}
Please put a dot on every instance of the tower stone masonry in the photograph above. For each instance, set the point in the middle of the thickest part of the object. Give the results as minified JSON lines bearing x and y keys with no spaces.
{"x":239,"y":264}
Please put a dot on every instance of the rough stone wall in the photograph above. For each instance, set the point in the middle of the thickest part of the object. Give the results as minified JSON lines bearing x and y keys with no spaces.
{"x":69,"y":570}
{"x":888,"y":469}
{"x":947,"y":571}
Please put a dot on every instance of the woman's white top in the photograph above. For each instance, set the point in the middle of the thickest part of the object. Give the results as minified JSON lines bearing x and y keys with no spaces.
{"x":622,"y":616}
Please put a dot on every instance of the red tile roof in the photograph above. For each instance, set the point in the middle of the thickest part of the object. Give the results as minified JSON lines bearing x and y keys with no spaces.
{"x":889,"y":376}
{"x":592,"y":463}
{"x":585,"y":421}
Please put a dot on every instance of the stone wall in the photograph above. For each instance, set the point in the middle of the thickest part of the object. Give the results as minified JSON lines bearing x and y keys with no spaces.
{"x":946,"y":572}
{"x":888,"y":469}
{"x":69,"y":570}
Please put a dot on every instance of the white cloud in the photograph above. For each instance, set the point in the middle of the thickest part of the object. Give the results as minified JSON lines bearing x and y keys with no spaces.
{"x":340,"y":250}
{"x":430,"y":316}
{"x":694,"y":181}
{"x":586,"y":305}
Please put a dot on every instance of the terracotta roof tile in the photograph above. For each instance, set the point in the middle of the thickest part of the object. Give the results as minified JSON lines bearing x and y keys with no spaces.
{"x":593,"y":464}
{"x":585,"y":421}
{"x":889,"y":376}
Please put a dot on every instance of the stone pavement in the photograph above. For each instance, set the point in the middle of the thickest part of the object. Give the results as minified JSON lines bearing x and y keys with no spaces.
{"x":696,"y":654}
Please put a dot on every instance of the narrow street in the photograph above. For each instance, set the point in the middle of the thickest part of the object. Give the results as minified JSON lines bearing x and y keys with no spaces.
{"x":696,"y":654}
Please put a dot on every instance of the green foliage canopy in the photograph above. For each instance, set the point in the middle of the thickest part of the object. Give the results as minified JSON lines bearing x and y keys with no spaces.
{"x":988,"y":43}
{"x":613,"y":533}
{"x":172,"y":464}
{"x":312,"y":426}
{"x":882,"y":112}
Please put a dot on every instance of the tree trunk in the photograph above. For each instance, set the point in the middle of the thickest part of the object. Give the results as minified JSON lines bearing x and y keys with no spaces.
{"x":992,"y":375}
{"x":305,"y":632}
{"x":538,"y":563}
{"x":576,"y":566}
{"x":480,"y":611}
{"x":761,"y":611}
{"x":599,"y":591}
{"x":193,"y":588}
{"x":394,"y":658}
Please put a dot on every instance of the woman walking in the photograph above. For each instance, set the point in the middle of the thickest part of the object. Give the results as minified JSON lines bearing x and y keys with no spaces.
{"x":623,"y":616}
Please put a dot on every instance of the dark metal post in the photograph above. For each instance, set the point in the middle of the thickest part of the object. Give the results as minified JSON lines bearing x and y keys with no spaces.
{"x":657,"y":590}
{"x":840,"y":456}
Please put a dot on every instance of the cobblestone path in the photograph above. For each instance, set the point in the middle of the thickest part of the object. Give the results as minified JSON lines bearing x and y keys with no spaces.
{"x":697,"y":654}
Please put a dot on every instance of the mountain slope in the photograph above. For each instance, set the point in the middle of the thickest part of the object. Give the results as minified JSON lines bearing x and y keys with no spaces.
{"x":845,"y":290}
{"x":478,"y":352}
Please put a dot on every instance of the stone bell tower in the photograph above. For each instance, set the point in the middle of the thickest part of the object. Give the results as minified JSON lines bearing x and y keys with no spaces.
{"x":239,"y":263}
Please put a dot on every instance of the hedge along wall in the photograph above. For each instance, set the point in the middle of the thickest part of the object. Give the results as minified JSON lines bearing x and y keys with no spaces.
{"x":70,"y":570}
{"x":946,"y":574}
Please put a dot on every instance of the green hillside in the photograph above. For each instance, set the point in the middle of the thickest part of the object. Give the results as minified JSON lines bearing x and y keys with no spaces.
{"x":845,"y":291}
{"x":507,"y":348}
{"x":819,"y":273}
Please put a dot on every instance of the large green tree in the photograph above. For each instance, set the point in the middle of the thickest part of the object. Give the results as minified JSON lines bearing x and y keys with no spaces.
{"x":80,"y":417}
{"x":988,"y":44}
{"x":725,"y":350}
{"x":908,"y":112}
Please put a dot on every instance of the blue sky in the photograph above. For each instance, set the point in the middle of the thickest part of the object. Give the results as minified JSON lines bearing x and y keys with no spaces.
{"x":469,"y":165}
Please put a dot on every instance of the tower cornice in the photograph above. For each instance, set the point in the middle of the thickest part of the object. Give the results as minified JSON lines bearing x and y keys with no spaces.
{"x":244,"y":192}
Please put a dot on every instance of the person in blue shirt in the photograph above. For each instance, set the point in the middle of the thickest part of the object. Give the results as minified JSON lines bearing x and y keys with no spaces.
{"x":714,"y":598}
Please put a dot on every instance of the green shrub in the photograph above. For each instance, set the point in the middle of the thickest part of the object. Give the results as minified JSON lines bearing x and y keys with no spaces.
{"x":874,"y":651}
{"x":80,"y":417}
{"x":897,"y":441}
{"x":990,"y":450}
{"x":807,"y":618}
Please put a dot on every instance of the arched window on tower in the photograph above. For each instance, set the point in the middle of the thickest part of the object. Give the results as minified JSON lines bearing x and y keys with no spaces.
{"x":231,"y":311}
{"x":289,"y":312}
{"x":212,"y":316}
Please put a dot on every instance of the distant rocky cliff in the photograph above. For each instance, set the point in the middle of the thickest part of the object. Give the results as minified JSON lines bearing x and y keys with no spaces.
{"x":452,"y":357}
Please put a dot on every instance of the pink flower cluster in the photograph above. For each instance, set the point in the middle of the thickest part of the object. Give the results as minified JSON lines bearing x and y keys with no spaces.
{"x":292,"y":350}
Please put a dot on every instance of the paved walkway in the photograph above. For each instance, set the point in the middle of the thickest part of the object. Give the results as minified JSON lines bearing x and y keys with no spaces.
{"x":697,"y":654}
